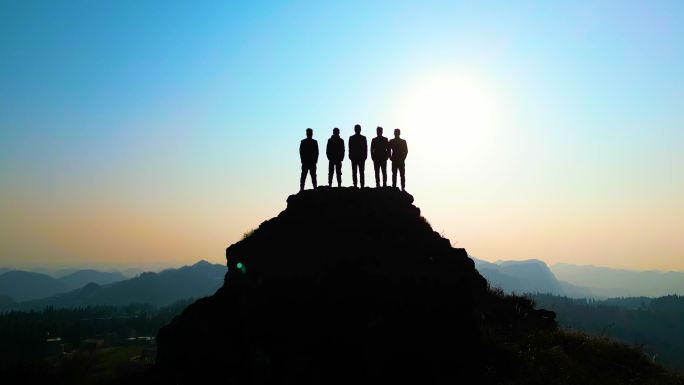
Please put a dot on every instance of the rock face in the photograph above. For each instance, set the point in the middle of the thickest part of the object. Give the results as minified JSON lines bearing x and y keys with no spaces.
{"x":345,"y":285}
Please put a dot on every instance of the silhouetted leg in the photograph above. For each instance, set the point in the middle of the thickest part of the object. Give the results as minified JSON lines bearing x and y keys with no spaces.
{"x":383,"y":168}
{"x":331,"y":168}
{"x":362,"y":165}
{"x":394,"y":174}
{"x":376,"y":168}
{"x":312,"y":170}
{"x":402,"y":173}
{"x":354,"y":166}
{"x":338,"y":169}
{"x":302,"y":179}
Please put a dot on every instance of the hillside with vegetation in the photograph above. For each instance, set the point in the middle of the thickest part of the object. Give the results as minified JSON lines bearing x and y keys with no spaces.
{"x":652,"y":324}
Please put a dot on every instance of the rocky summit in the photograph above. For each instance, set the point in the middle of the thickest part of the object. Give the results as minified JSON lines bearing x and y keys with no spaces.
{"x":345,"y":285}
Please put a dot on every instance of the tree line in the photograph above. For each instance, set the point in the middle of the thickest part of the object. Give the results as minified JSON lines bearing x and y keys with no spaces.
{"x":25,"y":336}
{"x":654,"y":324}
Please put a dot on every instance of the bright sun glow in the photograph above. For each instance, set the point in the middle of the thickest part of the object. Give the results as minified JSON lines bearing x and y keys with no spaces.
{"x":451,"y":116}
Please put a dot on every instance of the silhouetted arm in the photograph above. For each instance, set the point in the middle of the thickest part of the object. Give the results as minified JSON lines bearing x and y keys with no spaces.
{"x":328,"y":149}
{"x":315,"y":152}
{"x":405,"y":150}
{"x":301,"y":151}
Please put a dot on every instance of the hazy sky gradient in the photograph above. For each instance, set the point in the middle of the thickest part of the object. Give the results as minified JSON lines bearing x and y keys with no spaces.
{"x":157,"y":133}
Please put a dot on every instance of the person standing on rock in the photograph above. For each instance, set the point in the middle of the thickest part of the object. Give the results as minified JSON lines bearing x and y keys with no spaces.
{"x":398,"y":153}
{"x":358,"y":152}
{"x":380,"y":154}
{"x":335,"y":153}
{"x":308,"y":153}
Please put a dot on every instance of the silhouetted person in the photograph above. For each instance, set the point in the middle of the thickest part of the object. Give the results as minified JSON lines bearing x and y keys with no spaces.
{"x":380,"y":153}
{"x":398,"y":152}
{"x":335,"y":153}
{"x":308,"y":153}
{"x":358,"y":152}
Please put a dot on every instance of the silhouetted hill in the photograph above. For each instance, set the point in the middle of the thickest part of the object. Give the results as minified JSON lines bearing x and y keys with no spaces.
{"x":341,"y":277}
{"x":157,"y":289}
{"x":82,"y":277}
{"x":24,"y":285}
{"x":353,"y":285}
{"x":609,"y":282}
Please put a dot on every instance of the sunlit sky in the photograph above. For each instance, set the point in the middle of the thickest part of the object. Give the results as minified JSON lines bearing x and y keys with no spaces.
{"x":155,"y":133}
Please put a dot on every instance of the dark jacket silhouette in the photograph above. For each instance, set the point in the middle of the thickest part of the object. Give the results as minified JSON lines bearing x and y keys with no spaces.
{"x":335,"y":149}
{"x":398,"y":153}
{"x":380,"y":153}
{"x":398,"y":150}
{"x":358,"y":152}
{"x":335,"y":152}
{"x":358,"y":148}
{"x":308,"y":153}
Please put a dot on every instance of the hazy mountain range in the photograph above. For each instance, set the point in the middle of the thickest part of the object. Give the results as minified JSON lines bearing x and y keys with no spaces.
{"x":25,"y":285}
{"x":608,"y":282}
{"x":535,"y":276}
{"x":159,"y":289}
{"x":70,"y":287}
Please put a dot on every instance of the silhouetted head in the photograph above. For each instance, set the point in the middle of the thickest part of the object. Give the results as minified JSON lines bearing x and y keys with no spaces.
{"x":336,"y":131}
{"x":379,"y":131}
{"x":397,"y":132}
{"x":357,"y":128}
{"x":309,"y":133}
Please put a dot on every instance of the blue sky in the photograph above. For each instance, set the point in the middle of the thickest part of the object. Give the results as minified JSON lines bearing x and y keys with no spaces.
{"x":126,"y":124}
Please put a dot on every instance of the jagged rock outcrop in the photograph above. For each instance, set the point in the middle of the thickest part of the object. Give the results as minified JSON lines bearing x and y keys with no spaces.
{"x":345,"y":285}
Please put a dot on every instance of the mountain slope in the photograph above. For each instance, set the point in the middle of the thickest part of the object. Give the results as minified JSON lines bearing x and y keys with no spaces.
{"x":158,"y":289}
{"x":81,"y":278}
{"x":530,"y":276}
{"x":24,"y":285}
{"x":537,"y":275}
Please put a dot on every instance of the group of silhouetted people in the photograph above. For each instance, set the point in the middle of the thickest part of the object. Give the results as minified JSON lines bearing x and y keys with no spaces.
{"x":382,"y":149}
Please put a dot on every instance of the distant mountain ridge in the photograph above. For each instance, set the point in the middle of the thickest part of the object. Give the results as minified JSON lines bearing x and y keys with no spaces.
{"x":520,"y":276}
{"x":609,"y":282}
{"x":529,"y":276}
{"x":24,"y":285}
{"x":163,"y":288}
{"x":81,"y":278}
{"x":577,"y":281}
